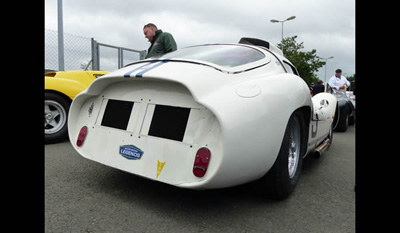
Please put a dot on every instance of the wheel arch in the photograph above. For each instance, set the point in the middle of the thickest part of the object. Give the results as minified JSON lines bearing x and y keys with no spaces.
{"x":69,"y":100}
{"x":305,"y":112}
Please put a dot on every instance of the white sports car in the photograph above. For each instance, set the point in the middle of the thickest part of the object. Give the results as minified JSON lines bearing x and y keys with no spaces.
{"x":204,"y":117}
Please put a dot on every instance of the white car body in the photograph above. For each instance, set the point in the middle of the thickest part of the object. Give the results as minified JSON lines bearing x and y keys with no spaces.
{"x":239,"y":113}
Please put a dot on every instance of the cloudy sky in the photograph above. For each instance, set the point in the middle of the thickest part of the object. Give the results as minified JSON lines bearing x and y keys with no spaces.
{"x":325,"y":25}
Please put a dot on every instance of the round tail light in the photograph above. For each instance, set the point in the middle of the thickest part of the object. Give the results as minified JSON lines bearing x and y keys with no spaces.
{"x":201,"y":162}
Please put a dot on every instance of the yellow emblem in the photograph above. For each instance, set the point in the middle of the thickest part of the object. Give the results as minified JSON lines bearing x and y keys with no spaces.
{"x":160,"y":166}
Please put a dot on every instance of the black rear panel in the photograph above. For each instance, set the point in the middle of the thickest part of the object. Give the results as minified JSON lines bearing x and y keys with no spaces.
{"x":117,"y":114}
{"x":169,"y":122}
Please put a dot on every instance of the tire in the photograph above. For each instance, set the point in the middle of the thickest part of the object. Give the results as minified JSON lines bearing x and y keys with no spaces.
{"x":352,"y":120}
{"x":330,"y":134}
{"x":343,"y":123}
{"x":282,"y":178}
{"x":56,"y":109}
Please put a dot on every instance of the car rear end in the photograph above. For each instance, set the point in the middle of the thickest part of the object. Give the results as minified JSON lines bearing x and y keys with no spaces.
{"x":149,"y":127}
{"x":201,"y":118}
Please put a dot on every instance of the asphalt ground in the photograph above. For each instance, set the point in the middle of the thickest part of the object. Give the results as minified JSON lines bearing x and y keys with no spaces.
{"x":84,"y":196}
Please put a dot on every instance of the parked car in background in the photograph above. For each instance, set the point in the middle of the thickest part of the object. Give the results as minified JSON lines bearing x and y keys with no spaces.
{"x":60,"y":89}
{"x":352,"y":98}
{"x":345,"y":113}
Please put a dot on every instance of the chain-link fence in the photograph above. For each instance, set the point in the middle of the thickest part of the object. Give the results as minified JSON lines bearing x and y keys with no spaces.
{"x":77,"y":51}
{"x":82,"y":53}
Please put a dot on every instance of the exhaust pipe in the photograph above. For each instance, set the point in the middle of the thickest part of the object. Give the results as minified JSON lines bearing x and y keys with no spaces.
{"x":322,"y":148}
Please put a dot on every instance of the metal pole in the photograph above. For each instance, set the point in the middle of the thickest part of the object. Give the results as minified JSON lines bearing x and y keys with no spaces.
{"x":60,"y":36}
{"x":120,"y":58}
{"x":282,"y":36}
{"x":326,"y":64}
{"x":142,"y":54}
{"x":95,"y":55}
{"x":282,"y":21}
{"x":325,"y":83}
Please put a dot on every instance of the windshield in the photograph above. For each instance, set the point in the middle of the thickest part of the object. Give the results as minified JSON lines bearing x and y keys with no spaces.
{"x":223,"y":55}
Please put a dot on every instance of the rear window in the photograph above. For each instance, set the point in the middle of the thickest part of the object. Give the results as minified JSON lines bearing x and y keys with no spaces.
{"x":169,"y":122}
{"x":117,"y":114}
{"x":222,"y":55}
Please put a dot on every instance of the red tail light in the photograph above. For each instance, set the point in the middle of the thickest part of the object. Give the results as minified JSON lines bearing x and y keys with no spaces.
{"x":201,"y":162}
{"x":82,"y":136}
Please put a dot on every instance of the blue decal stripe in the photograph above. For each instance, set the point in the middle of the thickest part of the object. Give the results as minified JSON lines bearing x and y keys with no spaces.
{"x":128,"y":75}
{"x":140,"y":74}
{"x":146,"y":67}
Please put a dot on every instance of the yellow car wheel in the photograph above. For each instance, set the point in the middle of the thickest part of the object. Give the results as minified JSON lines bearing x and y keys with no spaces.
{"x":56,"y":109}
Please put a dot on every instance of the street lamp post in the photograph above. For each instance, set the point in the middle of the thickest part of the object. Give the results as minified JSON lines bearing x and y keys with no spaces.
{"x":326,"y":62}
{"x":282,"y":21}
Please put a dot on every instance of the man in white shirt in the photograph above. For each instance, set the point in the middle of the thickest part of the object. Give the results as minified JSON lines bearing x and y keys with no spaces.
{"x":338,"y":81}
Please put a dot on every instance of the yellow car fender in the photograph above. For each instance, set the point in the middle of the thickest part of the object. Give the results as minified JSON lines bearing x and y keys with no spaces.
{"x":70,"y":88}
{"x":70,"y":83}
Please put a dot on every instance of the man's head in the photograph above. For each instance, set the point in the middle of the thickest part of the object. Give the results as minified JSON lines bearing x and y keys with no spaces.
{"x":338,"y":72}
{"x":149,"y":31}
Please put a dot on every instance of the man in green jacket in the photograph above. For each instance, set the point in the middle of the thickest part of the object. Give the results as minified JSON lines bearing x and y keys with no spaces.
{"x":161,"y":42}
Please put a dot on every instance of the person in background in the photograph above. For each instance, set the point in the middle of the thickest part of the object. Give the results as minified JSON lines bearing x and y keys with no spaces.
{"x":318,"y":88}
{"x":161,"y":42}
{"x":312,"y":89}
{"x":338,"y":81}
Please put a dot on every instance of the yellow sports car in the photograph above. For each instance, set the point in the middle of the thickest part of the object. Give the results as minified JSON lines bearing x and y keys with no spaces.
{"x":60,"y":89}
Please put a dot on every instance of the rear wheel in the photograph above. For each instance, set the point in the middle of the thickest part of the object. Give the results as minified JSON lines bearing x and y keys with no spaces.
{"x":343,"y":122}
{"x":330,"y":135}
{"x":282,"y":178}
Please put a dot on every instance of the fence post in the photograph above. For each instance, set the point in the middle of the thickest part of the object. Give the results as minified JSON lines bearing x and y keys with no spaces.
{"x":95,"y":55}
{"x":142,"y":54}
{"x":120,"y":58}
{"x":60,"y":36}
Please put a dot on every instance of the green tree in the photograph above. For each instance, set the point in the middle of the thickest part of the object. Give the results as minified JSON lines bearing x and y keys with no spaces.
{"x":352,"y":80}
{"x":306,"y":62}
